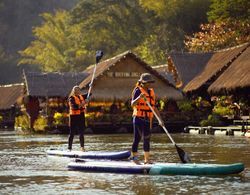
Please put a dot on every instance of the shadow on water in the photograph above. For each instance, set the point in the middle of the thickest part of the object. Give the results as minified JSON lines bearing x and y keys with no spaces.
{"x":25,"y":168}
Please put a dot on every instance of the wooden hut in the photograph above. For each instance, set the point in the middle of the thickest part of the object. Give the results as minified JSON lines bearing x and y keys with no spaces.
{"x":48,"y":92}
{"x":183,"y":66}
{"x":114,"y":81}
{"x":215,"y":66}
{"x":235,"y":79}
{"x":11,"y":94}
{"x":116,"y":77}
{"x":163,"y":70}
{"x":53,"y":84}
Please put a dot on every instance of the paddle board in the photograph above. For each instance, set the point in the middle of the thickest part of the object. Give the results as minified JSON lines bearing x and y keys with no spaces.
{"x":156,"y":168}
{"x":119,"y":155}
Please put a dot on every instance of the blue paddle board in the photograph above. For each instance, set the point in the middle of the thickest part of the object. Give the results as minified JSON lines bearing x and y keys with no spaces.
{"x":119,"y":155}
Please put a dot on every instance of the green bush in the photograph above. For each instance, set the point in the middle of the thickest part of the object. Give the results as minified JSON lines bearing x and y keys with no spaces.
{"x":212,"y":120}
{"x":41,"y":124}
{"x":23,"y":122}
{"x":58,"y":118}
{"x":185,"y":106}
{"x":223,"y":110}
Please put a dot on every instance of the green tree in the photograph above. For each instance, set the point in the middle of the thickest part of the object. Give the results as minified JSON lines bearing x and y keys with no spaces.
{"x":16,"y":21}
{"x":150,"y":51}
{"x":186,"y":15}
{"x":113,"y":26}
{"x":229,"y":9}
{"x":57,"y":46}
{"x":219,"y":35}
{"x":173,"y":20}
{"x":67,"y":41}
{"x":229,"y":26}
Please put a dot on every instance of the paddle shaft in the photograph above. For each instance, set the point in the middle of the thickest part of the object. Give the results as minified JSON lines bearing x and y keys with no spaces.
{"x":159,"y":120}
{"x":91,"y":83}
{"x":182,"y":154}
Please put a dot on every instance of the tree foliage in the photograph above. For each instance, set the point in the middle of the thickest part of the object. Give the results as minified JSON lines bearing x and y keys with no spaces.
{"x":186,"y":15}
{"x":219,"y":35}
{"x":67,"y":41}
{"x":57,"y":45}
{"x":113,"y":26}
{"x":229,"y":9}
{"x":16,"y":21}
{"x":172,"y":21}
{"x":229,"y":26}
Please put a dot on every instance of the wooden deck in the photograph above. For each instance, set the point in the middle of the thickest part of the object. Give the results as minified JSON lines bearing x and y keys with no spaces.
{"x":229,"y":130}
{"x":240,"y":127}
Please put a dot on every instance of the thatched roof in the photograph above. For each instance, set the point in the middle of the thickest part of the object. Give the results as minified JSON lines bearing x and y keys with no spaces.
{"x":10,"y":95}
{"x":162,"y":69}
{"x":120,"y":88}
{"x":189,"y":65}
{"x":105,"y":65}
{"x":218,"y":63}
{"x":236,"y":77}
{"x":52,"y":84}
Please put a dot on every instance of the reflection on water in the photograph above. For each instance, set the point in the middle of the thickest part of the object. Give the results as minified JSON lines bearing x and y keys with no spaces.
{"x":25,"y":168}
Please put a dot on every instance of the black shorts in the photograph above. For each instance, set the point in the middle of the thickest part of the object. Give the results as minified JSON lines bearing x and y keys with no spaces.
{"x":77,"y":122}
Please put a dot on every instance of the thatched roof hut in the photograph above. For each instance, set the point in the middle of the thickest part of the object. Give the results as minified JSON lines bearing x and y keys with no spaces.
{"x":236,"y":78}
{"x":10,"y":95}
{"x":216,"y":65}
{"x":163,"y":70}
{"x":115,"y":78}
{"x":187,"y":65}
{"x":51,"y":84}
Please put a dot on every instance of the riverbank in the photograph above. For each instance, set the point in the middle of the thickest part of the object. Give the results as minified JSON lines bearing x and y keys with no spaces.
{"x":107,"y":128}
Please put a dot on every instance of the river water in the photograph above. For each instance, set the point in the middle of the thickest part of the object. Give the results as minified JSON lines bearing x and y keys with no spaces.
{"x":26,"y":169}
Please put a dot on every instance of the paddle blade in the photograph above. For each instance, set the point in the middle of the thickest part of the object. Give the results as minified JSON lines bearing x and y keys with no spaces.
{"x":98,"y":55}
{"x":183,"y":155}
{"x":79,"y":160}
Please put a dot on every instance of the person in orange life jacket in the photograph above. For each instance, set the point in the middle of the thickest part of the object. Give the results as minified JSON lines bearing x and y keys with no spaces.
{"x":142,"y":115}
{"x":77,"y":104}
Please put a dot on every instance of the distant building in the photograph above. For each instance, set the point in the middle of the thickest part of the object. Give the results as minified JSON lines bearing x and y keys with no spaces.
{"x":183,"y":67}
{"x":221,"y":73}
{"x":116,"y":77}
{"x":218,"y":63}
{"x":236,"y":78}
{"x":163,"y":70}
{"x":52,"y":84}
{"x":48,"y":92}
{"x":11,"y":95}
{"x":114,"y":82}
{"x":197,"y":73}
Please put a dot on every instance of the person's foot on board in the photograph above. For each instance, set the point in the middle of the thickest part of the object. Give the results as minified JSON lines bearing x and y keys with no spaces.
{"x":135,"y":159}
{"x":148,"y":162}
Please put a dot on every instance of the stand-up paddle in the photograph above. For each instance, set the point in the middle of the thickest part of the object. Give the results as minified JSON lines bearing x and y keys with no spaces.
{"x":98,"y":57}
{"x":182,"y":154}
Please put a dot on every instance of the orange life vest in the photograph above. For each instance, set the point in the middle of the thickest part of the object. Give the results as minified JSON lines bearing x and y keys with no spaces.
{"x":78,"y":100}
{"x":142,"y":109}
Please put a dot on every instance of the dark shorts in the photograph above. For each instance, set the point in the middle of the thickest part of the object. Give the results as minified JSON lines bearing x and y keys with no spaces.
{"x":77,"y":123}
